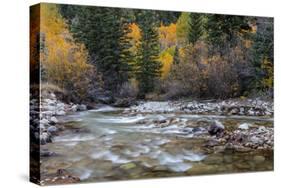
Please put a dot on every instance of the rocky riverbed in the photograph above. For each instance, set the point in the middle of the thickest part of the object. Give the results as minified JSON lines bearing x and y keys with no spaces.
{"x":246,"y":107}
{"x":154,"y":139}
{"x":49,"y":109}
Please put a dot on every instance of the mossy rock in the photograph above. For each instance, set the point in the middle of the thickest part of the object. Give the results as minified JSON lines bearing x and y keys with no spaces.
{"x":128,"y":166}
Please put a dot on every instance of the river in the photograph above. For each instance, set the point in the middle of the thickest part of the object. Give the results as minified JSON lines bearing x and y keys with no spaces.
{"x":106,"y":144}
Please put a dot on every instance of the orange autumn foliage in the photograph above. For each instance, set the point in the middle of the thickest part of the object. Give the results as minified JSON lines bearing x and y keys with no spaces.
{"x":63,"y":61}
{"x":135,"y":36}
{"x":167,"y":35}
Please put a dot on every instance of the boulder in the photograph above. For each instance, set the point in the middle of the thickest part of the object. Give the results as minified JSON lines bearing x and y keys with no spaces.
{"x":52,"y":129}
{"x":53,"y":96}
{"x":45,"y":138}
{"x":44,"y":122}
{"x":216,"y":128}
{"x":82,"y":107}
{"x":53,"y":120}
{"x":73,"y":108}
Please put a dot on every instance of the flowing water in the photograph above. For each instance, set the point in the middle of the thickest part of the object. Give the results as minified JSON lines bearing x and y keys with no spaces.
{"x":105,"y":144}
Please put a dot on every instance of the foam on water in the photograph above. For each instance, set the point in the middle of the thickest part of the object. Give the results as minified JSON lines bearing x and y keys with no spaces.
{"x":191,"y":156}
{"x":179,"y":167}
{"x":85,"y":174}
{"x":166,"y":158}
{"x":143,"y":148}
{"x":131,"y":153}
{"x":108,"y":155}
{"x":71,"y":139}
{"x":120,"y":119}
{"x":109,"y":131}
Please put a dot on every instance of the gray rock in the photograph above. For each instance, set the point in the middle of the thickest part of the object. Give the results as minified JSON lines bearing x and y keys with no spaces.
{"x":60,"y":113}
{"x":44,"y":122}
{"x":54,"y":120}
{"x":82,"y":107}
{"x":45,"y":138}
{"x":42,"y":127}
{"x":52,"y":129}
{"x":74,"y":108}
{"x":262,"y":129}
{"x":52,"y":96}
{"x":50,"y":108}
{"x":216,"y":128}
{"x":255,"y":140}
{"x":46,"y":153}
{"x":234,"y":111}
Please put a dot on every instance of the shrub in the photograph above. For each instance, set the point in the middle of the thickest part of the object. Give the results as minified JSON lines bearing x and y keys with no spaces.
{"x":128,"y":90}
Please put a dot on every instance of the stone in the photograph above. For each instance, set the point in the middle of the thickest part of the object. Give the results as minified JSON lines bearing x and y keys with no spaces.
{"x":60,"y":113}
{"x":128,"y":166}
{"x":74,"y":108}
{"x":262,"y":129}
{"x":160,"y":168}
{"x":44,"y":122}
{"x":53,"y":96}
{"x":52,"y":129}
{"x":255,"y":140}
{"x":216,"y":128}
{"x":196,"y":129}
{"x":54,"y":120}
{"x":46,"y":153}
{"x":45,"y":138}
{"x":82,"y":107}
{"x":244,"y":126}
{"x":42,"y":126}
{"x":234,"y":111}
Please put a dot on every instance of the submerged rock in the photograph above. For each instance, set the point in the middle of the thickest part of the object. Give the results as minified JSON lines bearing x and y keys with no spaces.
{"x":128,"y":166}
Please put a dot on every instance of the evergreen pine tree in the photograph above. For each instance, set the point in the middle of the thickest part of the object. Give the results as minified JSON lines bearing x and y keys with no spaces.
{"x":262,"y":54}
{"x":104,"y":33}
{"x":148,"y":65}
{"x":223,"y":29}
{"x":195,"y":27}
